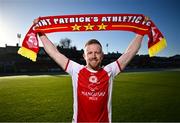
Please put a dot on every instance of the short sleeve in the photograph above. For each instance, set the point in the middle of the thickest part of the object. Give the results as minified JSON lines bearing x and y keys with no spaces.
{"x":72,"y":67}
{"x":113,"y":68}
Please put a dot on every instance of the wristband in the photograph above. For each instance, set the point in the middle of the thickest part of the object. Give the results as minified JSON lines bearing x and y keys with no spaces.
{"x":40,"y":34}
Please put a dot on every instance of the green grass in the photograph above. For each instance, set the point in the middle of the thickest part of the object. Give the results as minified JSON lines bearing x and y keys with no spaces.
{"x":137,"y":96}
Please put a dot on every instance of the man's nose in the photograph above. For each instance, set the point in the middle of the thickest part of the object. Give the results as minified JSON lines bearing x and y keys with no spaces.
{"x":94,"y":55}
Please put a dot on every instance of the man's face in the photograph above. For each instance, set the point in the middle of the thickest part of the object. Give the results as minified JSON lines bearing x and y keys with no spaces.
{"x":93,"y":55}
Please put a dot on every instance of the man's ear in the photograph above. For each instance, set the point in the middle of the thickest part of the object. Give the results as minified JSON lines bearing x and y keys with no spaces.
{"x":83,"y":55}
{"x":102,"y":55}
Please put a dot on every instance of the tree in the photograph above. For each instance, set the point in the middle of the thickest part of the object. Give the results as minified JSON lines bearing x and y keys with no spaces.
{"x":65,"y":42}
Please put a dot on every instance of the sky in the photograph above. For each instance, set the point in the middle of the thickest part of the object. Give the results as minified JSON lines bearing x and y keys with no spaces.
{"x":16,"y":16}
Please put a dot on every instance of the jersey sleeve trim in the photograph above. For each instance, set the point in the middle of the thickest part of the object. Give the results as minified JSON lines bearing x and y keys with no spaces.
{"x":67,"y":65}
{"x":119,"y":65}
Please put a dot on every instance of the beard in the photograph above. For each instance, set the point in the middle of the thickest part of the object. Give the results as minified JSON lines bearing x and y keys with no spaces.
{"x":94,"y":64}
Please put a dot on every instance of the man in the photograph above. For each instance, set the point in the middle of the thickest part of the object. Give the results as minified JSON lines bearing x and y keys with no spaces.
{"x":92,"y":84}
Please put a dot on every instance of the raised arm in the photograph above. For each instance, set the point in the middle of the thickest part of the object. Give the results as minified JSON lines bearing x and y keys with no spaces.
{"x":130,"y":52}
{"x":52,"y":51}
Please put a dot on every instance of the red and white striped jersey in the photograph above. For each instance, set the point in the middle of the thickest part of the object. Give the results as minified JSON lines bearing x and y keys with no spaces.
{"x":92,"y":91}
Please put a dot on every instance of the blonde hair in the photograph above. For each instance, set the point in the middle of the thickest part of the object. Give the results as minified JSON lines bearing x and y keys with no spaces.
{"x":93,"y":41}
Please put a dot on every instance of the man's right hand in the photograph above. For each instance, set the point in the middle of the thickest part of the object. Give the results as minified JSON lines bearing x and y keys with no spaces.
{"x":36,"y":20}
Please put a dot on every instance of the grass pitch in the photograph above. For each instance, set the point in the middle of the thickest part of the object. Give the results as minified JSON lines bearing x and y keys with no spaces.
{"x":137,"y":96}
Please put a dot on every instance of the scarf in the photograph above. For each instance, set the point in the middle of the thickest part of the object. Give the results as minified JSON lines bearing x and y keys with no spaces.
{"x":136,"y":23}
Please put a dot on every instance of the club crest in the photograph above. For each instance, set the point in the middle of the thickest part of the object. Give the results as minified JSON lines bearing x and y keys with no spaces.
{"x":93,"y":79}
{"x":32,"y":41}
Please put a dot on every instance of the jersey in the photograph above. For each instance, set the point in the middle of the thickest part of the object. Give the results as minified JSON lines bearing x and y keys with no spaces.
{"x":92,"y":91}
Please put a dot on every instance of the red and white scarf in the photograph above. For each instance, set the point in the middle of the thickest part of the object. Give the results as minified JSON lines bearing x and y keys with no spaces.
{"x":136,"y":23}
